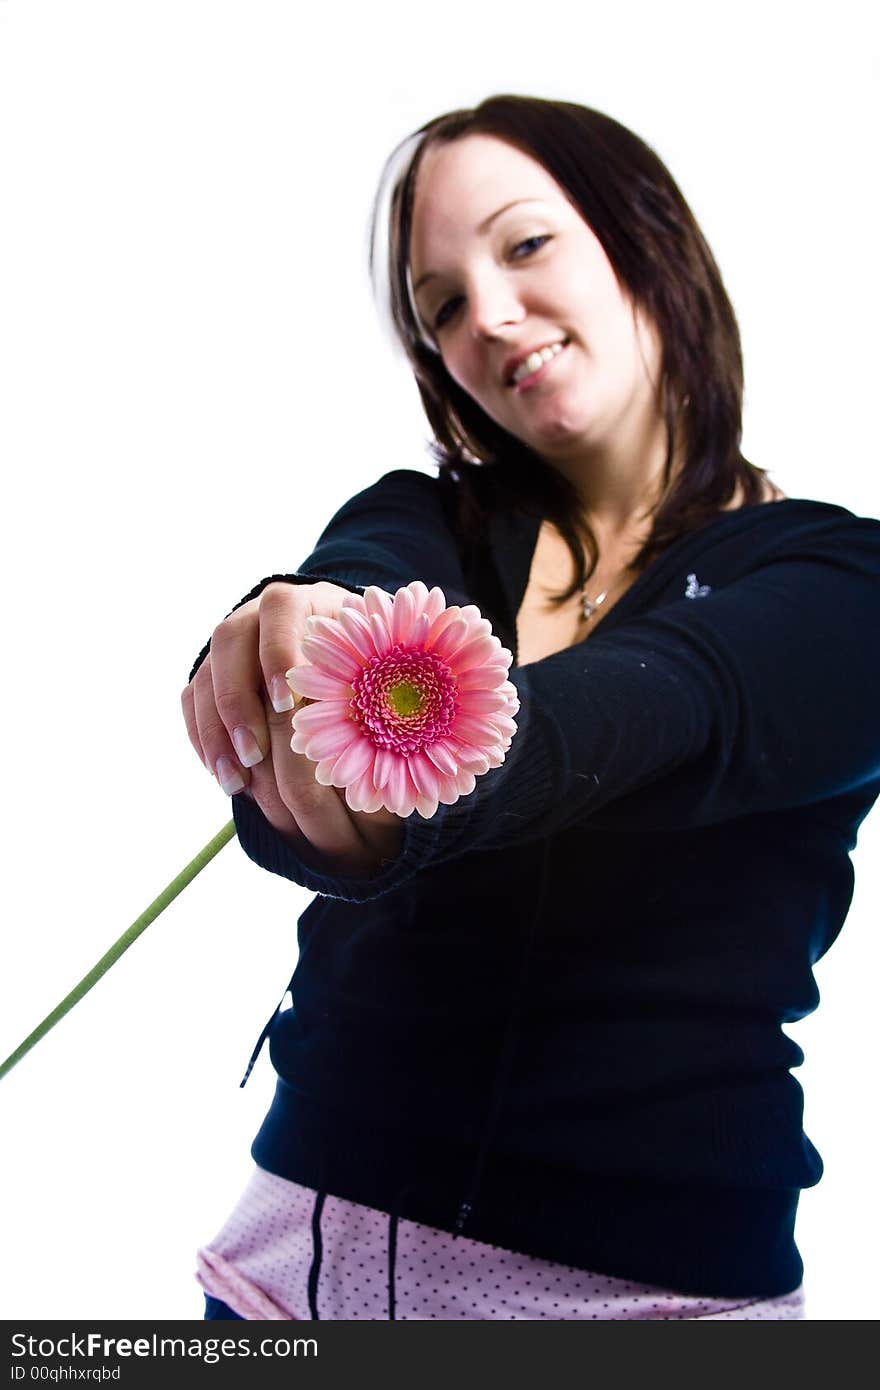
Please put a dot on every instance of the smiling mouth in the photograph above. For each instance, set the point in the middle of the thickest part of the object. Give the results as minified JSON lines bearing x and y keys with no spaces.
{"x":535,"y":361}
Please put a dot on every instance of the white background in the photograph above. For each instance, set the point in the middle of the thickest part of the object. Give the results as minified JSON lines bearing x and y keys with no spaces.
{"x":193,"y":378}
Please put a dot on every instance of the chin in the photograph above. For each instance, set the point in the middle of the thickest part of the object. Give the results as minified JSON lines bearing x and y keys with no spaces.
{"x":561,"y":438}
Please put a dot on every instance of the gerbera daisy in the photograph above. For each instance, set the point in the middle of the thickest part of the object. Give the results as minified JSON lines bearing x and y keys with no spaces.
{"x":411,"y":700}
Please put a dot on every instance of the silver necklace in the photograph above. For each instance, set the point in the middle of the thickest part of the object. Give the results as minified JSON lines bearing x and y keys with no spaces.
{"x":589,"y":605}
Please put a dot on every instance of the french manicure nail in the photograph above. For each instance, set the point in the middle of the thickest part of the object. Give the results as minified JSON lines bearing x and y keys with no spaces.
{"x":279,"y":694}
{"x":245,"y":744}
{"x":229,"y":776}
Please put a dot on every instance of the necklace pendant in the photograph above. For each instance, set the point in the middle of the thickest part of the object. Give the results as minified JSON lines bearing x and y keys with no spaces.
{"x":591,"y":604}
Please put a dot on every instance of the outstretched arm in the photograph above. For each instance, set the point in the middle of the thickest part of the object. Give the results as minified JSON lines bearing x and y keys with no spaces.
{"x":758,"y":698}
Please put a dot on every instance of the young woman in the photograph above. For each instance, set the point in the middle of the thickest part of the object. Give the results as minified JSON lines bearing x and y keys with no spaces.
{"x":534,"y":1066}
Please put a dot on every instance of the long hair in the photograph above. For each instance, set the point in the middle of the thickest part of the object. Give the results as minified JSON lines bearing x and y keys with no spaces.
{"x":625,"y":193}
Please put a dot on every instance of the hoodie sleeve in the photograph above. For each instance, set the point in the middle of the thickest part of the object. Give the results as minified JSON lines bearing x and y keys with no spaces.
{"x":761,"y":697}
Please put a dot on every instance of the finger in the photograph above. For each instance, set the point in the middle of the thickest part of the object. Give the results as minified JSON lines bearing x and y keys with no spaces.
{"x":187,"y":703}
{"x":263,"y":789}
{"x":319,"y":811}
{"x":239,"y":727}
{"x":284,"y":609}
{"x":218,"y":753}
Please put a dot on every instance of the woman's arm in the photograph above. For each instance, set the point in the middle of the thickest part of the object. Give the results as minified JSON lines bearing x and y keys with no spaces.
{"x":759,"y":697}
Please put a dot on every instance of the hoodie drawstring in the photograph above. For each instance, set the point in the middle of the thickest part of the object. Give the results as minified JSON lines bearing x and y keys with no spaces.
{"x":317,"y":1251}
{"x":392,"y":1262}
{"x":262,"y":1038}
{"x":393,"y":1220}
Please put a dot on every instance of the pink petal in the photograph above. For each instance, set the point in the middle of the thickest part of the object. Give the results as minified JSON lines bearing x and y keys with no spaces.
{"x":450,"y":639}
{"x":435,"y":603}
{"x":478,"y":732}
{"x":474,"y":759}
{"x":482,"y":701}
{"x":441,"y":623}
{"x":321,"y":718}
{"x":449,"y":792}
{"x":488,"y":677}
{"x":385,"y":760}
{"x":441,"y":756}
{"x":419,"y":591}
{"x":361,"y":794}
{"x":328,"y":743}
{"x":355,"y":603}
{"x":356,"y":759}
{"x":397,"y":785}
{"x":329,"y":628}
{"x":381,"y":633}
{"x":374,"y":801}
{"x":477,"y":624}
{"x":324,"y":772}
{"x":406,"y":806}
{"x":403,"y":615}
{"x":336,"y":631}
{"x":332,"y":659}
{"x":419,"y":631}
{"x":312,"y":717}
{"x":377,"y":601}
{"x":425,"y":775}
{"x":473,"y":653}
{"x":510,"y":690}
{"x":317,"y":685}
{"x":400,"y":792}
{"x":355,"y":796}
{"x":358,"y":631}
{"x":465,"y":782}
{"x":426,"y":806}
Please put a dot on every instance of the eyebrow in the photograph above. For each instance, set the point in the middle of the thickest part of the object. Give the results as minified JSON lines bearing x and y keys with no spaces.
{"x":481,"y":229}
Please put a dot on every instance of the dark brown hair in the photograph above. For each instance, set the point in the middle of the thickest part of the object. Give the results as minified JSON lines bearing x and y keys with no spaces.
{"x":627,"y":196}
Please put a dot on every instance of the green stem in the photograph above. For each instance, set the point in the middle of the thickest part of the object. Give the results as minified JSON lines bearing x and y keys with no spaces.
{"x":158,"y":905}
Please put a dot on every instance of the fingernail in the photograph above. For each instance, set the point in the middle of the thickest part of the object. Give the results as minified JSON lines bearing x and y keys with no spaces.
{"x":245,"y":744}
{"x":279,"y":694}
{"x":229,"y":776}
{"x":297,"y":698}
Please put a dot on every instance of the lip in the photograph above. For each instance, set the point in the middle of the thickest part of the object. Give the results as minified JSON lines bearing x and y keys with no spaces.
{"x":512,"y":363}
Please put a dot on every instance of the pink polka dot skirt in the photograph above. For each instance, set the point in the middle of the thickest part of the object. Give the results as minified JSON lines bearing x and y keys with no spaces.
{"x":259,"y":1266}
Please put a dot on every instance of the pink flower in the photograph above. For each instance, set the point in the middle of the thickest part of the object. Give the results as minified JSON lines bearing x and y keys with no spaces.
{"x":412,"y":700}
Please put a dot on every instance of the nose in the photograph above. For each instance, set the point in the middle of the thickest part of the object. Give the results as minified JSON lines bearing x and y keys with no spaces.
{"x":492,"y":306}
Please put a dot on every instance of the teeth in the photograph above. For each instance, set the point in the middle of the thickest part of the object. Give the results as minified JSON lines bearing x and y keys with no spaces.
{"x":535,"y":360}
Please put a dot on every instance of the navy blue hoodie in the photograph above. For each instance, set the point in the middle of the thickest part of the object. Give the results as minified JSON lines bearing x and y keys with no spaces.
{"x":553,"y":1021}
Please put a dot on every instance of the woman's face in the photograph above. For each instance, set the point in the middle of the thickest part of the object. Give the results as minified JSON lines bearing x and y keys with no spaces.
{"x":518,"y":294}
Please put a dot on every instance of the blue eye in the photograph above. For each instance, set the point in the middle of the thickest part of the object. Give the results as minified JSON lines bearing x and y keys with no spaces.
{"x":532,"y":243}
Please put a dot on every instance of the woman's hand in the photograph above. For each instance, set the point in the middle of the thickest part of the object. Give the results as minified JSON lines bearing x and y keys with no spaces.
{"x":237,"y":709}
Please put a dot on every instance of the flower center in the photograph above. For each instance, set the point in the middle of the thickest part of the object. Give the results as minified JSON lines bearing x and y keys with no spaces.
{"x":404,"y":699}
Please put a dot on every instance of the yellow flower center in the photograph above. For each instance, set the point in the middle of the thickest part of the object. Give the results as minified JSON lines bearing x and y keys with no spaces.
{"x":405,"y":699}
